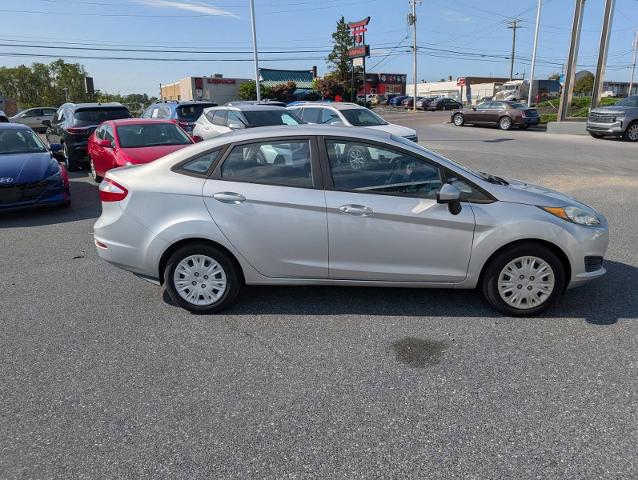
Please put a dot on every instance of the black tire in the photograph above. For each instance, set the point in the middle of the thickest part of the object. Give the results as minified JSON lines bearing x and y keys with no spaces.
{"x":631,"y":132}
{"x":595,"y":135}
{"x":458,"y":119}
{"x":357,"y":157}
{"x":96,"y":178}
{"x":234,"y":280}
{"x":505,"y":123}
{"x":71,"y":160}
{"x":490,"y":277}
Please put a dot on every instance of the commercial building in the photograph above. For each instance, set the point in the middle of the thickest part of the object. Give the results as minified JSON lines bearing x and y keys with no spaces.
{"x":384,"y":84}
{"x":216,"y":88}
{"x":463,"y":89}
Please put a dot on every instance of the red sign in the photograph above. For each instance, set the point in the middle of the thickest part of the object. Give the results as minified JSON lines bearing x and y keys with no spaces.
{"x":225,"y":81}
{"x":460,"y":81}
{"x":357,"y":52}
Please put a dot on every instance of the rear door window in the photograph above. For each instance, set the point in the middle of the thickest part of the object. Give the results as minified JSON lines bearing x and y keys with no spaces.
{"x":191,"y":113}
{"x":220,"y":117}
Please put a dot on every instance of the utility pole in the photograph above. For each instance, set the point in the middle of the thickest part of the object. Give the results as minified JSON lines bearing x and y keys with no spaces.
{"x":633,"y":66}
{"x":514,"y":25}
{"x":412,"y":21}
{"x":252,"y":19}
{"x":570,"y":71}
{"x":603,"y":48}
{"x":531,"y":75}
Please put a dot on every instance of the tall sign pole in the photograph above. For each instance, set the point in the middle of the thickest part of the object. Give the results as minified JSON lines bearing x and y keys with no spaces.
{"x":360,"y":50}
{"x":531,"y":75}
{"x":570,"y":72}
{"x":603,"y":49}
{"x":633,"y":66}
{"x":252,"y":19}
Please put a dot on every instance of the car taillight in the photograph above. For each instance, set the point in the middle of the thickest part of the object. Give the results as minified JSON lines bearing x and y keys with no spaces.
{"x":197,"y":138}
{"x":111,"y":191}
{"x":76,"y":130}
{"x":523,"y":113}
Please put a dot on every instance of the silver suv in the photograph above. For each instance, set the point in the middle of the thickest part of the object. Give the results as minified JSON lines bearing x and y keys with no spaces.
{"x":620,"y":120}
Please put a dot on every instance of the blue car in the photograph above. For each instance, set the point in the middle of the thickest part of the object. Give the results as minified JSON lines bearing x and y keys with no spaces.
{"x":396,"y":101}
{"x":30,"y":175}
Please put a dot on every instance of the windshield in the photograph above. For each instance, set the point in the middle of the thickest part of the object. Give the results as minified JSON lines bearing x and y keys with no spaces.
{"x":629,"y":102}
{"x":362,"y":117}
{"x":99,"y":115}
{"x":510,"y":87}
{"x":20,"y":141}
{"x":192,"y":112}
{"x":263,"y":118}
{"x":149,"y":135}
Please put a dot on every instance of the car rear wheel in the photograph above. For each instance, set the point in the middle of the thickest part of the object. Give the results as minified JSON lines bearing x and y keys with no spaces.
{"x":458,"y":119}
{"x":523,"y":280}
{"x":70,"y":159}
{"x":631,"y":133}
{"x":96,"y":178}
{"x":202,"y":278}
{"x":505,"y":123}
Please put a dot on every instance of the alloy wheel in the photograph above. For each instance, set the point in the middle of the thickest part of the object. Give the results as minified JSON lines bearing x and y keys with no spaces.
{"x":632,"y":132}
{"x":357,"y":159}
{"x":458,"y":120}
{"x":526,"y":282}
{"x":200,"y":280}
{"x":505,"y":123}
{"x":65,"y":153}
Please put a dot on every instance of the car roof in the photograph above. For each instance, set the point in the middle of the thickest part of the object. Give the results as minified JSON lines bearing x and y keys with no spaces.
{"x":14,"y":126}
{"x":246,"y":107}
{"x":335,"y":105}
{"x":80,"y":106}
{"x":138,"y":121}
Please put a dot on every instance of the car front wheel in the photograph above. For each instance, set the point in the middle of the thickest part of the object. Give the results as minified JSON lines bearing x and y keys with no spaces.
{"x":202,"y":278}
{"x":631,"y":133}
{"x":523,"y":280}
{"x":458,"y":120}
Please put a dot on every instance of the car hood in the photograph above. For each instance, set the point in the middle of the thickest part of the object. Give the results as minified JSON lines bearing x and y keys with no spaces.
{"x":148,"y":154}
{"x":614,"y":109}
{"x":530,"y":194}
{"x":397,"y":130}
{"x":25,"y":167}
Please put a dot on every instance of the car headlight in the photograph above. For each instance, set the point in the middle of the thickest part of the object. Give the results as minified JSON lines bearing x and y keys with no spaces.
{"x":575,"y":215}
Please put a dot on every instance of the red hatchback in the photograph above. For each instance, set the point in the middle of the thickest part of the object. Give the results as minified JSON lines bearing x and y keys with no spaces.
{"x":132,"y":141}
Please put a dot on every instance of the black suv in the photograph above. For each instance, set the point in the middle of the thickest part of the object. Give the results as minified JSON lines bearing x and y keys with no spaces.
{"x":73,"y":124}
{"x":183,"y":113}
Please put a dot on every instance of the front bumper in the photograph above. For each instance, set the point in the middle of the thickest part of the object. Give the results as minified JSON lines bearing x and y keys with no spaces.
{"x":529,"y":121}
{"x":615,"y":129}
{"x":54,"y":194}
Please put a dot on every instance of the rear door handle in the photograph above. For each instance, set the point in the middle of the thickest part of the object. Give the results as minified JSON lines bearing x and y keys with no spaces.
{"x":229,"y":197}
{"x":356,"y":210}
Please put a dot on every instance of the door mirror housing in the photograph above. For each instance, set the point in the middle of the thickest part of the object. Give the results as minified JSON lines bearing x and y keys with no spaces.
{"x":235,"y":126}
{"x":46,"y":123}
{"x":337,"y":123}
{"x":474,"y":108}
{"x":105,"y":143}
{"x":452,"y":196}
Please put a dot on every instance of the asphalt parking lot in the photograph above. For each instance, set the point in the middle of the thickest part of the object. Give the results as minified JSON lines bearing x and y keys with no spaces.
{"x":103,"y":378}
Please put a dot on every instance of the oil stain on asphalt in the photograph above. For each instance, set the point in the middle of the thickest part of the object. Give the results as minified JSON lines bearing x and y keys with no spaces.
{"x":418,"y":352}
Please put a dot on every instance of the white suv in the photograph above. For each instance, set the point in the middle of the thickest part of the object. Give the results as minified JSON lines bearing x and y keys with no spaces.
{"x":351,"y":115}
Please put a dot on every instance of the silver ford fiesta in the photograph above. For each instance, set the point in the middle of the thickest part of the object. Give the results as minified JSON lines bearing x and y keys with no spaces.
{"x":319,"y":205}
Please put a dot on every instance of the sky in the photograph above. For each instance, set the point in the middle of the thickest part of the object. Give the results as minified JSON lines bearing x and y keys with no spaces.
{"x":455,"y":37}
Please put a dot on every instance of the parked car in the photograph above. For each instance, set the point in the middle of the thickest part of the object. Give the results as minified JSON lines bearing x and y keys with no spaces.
{"x":33,"y":117}
{"x":213,"y":217}
{"x":133,"y":141}
{"x":350,"y":115}
{"x":619,"y":120}
{"x":396,"y":101}
{"x":217,"y":121}
{"x":3,"y":117}
{"x":423,"y":102}
{"x":504,"y":114}
{"x":443,"y":104}
{"x":30,"y":175}
{"x":183,"y":113}
{"x":74,"y":123}
{"x":409,"y":102}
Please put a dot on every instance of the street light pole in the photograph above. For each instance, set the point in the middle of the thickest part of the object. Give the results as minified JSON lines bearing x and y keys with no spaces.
{"x":412,"y":21}
{"x":633,"y":66}
{"x":531,"y":75}
{"x":252,"y":19}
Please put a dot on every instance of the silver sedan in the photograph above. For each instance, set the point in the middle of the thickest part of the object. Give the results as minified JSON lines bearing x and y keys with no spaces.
{"x":341,"y":206}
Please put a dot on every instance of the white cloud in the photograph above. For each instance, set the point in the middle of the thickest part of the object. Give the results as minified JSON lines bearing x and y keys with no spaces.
{"x":197,"y":7}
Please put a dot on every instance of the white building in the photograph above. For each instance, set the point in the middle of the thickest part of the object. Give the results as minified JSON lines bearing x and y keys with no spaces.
{"x":479,"y":88}
{"x":216,"y":88}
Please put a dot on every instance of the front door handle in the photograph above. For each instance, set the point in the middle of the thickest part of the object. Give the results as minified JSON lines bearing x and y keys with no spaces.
{"x":356,"y":210}
{"x":229,"y":197}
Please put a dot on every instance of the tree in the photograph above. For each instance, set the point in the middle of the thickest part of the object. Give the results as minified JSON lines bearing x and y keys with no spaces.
{"x":284,"y":92}
{"x":585,"y":85}
{"x":328,"y":86}
{"x":248,"y":91}
{"x":338,"y":58}
{"x":554,"y":76}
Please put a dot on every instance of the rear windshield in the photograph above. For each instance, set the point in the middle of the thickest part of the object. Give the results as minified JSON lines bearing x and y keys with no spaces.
{"x":149,"y":135}
{"x":263,"y":118}
{"x":99,"y":115}
{"x":192,"y":112}
{"x":518,"y":106}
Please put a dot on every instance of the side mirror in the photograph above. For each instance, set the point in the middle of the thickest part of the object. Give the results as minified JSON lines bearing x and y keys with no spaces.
{"x":55,"y":147}
{"x":474,"y":108}
{"x":452,"y":196}
{"x":105,"y":143}
{"x":235,"y":126}
{"x":46,"y":123}
{"x":337,"y":123}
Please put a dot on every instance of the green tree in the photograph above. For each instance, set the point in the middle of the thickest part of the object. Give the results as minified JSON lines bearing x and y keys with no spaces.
{"x":248,"y":91}
{"x":328,"y":86}
{"x":585,"y":85}
{"x":284,"y":91}
{"x":338,"y":59}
